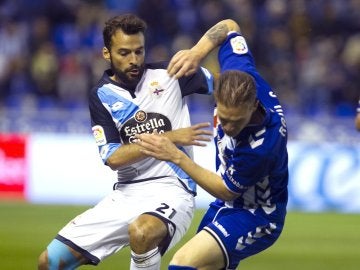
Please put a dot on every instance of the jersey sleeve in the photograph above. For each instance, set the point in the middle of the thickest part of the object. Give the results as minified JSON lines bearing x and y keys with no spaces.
{"x":234,"y":54}
{"x":201,"y":82}
{"x":103,"y":128}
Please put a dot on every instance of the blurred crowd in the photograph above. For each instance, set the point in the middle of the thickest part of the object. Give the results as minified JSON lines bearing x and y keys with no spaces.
{"x":50,"y":50}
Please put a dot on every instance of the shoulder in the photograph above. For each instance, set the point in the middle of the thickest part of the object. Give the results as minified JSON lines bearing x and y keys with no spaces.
{"x":157,"y":65}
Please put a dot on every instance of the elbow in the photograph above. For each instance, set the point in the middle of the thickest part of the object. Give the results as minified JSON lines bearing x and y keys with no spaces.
{"x":110,"y":162}
{"x":227,"y":195}
{"x":232,"y":25}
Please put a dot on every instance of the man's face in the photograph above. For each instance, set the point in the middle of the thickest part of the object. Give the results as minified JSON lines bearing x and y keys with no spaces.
{"x":234,"y":119}
{"x":126,"y":56}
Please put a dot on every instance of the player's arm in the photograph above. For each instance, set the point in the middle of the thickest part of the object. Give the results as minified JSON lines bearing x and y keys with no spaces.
{"x":128,"y":154}
{"x":186,"y":62}
{"x":162,"y":148}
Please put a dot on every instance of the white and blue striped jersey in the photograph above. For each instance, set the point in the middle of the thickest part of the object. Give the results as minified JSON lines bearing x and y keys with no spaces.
{"x":157,"y":103}
{"x":254,"y":164}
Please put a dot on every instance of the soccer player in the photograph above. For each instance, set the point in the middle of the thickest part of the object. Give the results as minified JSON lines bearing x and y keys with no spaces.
{"x":152,"y":204}
{"x":251,"y":157}
{"x":357,"y":117}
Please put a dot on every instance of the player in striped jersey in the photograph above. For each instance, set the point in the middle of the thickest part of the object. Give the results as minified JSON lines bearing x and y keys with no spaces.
{"x":152,"y":203}
{"x":251,"y":157}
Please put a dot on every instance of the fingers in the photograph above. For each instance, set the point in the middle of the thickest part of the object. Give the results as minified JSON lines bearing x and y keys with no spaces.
{"x":201,"y":125}
{"x":175,"y":64}
{"x":198,"y":129}
{"x":203,"y":139}
{"x":182,"y":64}
{"x":144,"y":137}
{"x":179,"y":71}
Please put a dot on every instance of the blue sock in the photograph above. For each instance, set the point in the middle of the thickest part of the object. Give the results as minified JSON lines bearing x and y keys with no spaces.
{"x":178,"y":267}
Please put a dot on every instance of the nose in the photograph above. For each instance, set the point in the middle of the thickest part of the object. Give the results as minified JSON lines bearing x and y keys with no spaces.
{"x":134,"y":58}
{"x":228,"y":128}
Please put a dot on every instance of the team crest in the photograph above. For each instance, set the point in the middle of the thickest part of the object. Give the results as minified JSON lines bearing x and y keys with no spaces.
{"x":239,"y":45}
{"x":155,"y":89}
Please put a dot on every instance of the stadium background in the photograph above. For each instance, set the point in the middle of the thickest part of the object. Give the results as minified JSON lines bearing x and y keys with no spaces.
{"x":50,"y":56}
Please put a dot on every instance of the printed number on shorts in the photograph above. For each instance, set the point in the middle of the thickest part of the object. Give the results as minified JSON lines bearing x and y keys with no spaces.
{"x":166,"y":210}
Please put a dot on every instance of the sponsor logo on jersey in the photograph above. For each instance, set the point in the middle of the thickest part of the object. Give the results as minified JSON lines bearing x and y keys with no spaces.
{"x":143,"y":122}
{"x":239,"y":45}
{"x":221,"y":228}
{"x":99,"y":135}
{"x":140,"y":116}
{"x":117,"y":106}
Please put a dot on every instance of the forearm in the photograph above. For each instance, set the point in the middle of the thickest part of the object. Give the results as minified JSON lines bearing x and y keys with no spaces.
{"x":128,"y":154}
{"x":209,"y":181}
{"x":215,"y":36}
{"x":125,"y":155}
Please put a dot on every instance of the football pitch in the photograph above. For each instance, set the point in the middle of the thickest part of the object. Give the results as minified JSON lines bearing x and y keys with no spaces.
{"x":316,"y":241}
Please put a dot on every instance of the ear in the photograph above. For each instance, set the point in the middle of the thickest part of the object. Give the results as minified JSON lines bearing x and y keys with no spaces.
{"x":106,"y":54}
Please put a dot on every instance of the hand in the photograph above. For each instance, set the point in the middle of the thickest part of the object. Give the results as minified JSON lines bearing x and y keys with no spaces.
{"x":157,"y":146}
{"x":184,"y":63}
{"x":193,"y":135}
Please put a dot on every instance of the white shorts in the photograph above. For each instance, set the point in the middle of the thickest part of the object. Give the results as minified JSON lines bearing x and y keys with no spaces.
{"x":103,"y":229}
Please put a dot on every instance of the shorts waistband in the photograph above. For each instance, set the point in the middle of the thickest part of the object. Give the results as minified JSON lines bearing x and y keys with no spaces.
{"x":117,"y":184}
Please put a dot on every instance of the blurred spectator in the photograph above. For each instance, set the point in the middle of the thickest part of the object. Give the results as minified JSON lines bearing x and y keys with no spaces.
{"x":357,"y":117}
{"x":44,"y":69}
{"x":309,"y":50}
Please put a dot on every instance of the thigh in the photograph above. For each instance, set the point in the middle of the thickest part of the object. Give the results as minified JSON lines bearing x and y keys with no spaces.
{"x":175,"y":207}
{"x":102,"y":230}
{"x":201,"y":252}
{"x":242,"y":234}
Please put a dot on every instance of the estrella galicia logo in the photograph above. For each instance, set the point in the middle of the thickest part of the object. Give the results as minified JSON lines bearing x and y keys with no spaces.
{"x":143,"y":122}
{"x":140,"y":116}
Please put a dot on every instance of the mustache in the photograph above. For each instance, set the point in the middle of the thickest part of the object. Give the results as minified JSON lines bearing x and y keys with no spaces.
{"x":133,"y":68}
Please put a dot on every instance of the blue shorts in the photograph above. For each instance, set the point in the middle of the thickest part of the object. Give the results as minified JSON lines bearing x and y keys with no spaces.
{"x":239,"y":233}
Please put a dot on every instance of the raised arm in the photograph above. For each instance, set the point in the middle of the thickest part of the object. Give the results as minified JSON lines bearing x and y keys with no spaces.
{"x":160,"y":147}
{"x":186,"y":62}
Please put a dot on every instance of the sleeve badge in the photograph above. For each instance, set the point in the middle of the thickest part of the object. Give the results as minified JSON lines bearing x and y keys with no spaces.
{"x":239,"y":45}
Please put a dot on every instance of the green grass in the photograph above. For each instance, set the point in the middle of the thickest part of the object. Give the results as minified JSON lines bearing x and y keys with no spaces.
{"x":316,"y":241}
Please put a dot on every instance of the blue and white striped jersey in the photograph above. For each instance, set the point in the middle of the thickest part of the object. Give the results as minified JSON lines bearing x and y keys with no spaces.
{"x":157,"y":103}
{"x":254,"y":164}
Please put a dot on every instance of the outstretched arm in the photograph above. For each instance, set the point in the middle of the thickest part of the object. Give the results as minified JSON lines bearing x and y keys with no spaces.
{"x":160,"y":147}
{"x":186,"y":62}
{"x":128,"y":154}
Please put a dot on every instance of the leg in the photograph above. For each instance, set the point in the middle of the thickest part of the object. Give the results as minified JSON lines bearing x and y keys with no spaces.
{"x":60,"y":256}
{"x":202,"y":252}
{"x":145,"y":234}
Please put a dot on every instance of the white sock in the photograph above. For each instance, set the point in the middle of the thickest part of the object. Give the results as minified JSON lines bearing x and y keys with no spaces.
{"x":148,"y":261}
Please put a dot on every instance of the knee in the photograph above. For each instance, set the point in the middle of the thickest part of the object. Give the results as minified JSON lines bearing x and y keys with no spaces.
{"x":143,"y":236}
{"x":43,"y":261}
{"x":139,"y":234}
{"x":180,"y":258}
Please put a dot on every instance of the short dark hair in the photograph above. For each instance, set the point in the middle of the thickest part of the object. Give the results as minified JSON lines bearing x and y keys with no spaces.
{"x":129,"y":23}
{"x":235,"y":88}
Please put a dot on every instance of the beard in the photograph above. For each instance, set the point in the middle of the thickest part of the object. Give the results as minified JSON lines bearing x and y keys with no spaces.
{"x":130,"y":76}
